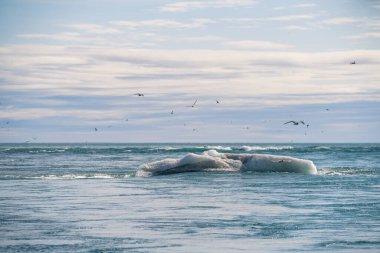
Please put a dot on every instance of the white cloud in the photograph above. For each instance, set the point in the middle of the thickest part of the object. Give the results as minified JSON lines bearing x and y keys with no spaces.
{"x":65,"y":36}
{"x":117,"y":71}
{"x":376,"y":6}
{"x":296,"y":27}
{"x":256,"y":44}
{"x":339,"y":21}
{"x":369,"y":35}
{"x":292,"y":17}
{"x":184,"y":6}
{"x":305,"y":5}
{"x":93,"y":28}
{"x":161,"y":23}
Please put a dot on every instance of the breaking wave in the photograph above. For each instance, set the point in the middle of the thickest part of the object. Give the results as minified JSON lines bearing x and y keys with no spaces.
{"x":185,"y":148}
{"x":66,"y":177}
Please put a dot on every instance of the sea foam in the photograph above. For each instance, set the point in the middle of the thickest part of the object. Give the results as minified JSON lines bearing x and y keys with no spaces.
{"x":214,"y":161}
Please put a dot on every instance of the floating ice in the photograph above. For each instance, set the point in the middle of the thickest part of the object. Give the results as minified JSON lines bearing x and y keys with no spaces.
{"x":214,"y":161}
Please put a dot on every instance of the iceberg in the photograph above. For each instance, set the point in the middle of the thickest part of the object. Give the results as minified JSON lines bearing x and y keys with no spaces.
{"x":214,"y":161}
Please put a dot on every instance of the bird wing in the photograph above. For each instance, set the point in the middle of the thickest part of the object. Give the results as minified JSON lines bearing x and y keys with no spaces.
{"x":292,"y":121}
{"x":302,"y":122}
{"x":195,"y":102}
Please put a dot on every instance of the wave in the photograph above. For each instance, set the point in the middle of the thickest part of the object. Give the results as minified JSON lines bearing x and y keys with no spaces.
{"x":67,"y":176}
{"x":168,"y":149}
{"x":215,"y":161}
{"x":251,"y":148}
{"x":346,"y":171}
{"x":142,"y":149}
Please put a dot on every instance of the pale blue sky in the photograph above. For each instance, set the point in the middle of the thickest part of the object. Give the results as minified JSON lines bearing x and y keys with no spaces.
{"x":68,"y":67}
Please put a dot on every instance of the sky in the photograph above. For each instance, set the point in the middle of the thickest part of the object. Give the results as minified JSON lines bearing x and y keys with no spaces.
{"x":68,"y":67}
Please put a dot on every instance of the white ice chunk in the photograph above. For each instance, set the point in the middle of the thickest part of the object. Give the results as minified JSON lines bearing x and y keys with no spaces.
{"x":213,"y":161}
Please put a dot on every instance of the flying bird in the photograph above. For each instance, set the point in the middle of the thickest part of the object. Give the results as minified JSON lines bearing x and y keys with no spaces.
{"x":217,"y":101}
{"x":295,"y":123}
{"x":172,"y":112}
{"x":193,"y":105}
{"x":353,"y":62}
{"x":139,"y":94}
{"x":96,"y":129}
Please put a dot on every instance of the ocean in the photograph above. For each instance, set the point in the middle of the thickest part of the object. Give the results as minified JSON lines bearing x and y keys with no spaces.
{"x":90,"y":198}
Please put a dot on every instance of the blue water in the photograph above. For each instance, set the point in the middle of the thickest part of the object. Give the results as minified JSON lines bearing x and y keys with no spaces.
{"x":86,"y":198}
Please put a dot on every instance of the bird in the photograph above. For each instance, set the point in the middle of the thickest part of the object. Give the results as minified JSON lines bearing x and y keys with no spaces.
{"x":217,"y":101}
{"x":139,"y":94}
{"x":353,"y":62}
{"x":193,"y":105}
{"x":172,"y":112}
{"x":307,"y":125}
{"x":327,"y":109}
{"x":281,"y":161}
{"x":96,"y":129}
{"x":295,"y":123}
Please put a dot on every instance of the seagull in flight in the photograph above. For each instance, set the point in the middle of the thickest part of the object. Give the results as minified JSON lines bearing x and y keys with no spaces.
{"x":295,"y":123}
{"x":139,"y":94}
{"x":193,"y":105}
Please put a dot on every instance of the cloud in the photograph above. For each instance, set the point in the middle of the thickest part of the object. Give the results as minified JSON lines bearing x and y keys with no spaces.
{"x":368,"y":35}
{"x":256,"y":44}
{"x":93,"y":28}
{"x":94,"y":86}
{"x":162,"y":23}
{"x":110,"y":71}
{"x":292,"y":17}
{"x":296,"y":27}
{"x":376,"y":6}
{"x":305,"y":5}
{"x":339,"y":21}
{"x":184,"y":6}
{"x":65,"y":36}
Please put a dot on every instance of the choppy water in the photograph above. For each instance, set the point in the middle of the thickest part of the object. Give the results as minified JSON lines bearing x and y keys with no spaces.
{"x":86,"y":198}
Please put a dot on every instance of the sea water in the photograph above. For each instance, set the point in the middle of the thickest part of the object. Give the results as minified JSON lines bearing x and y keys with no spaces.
{"x":89,"y":198}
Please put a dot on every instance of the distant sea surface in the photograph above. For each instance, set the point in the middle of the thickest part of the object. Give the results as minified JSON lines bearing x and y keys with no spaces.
{"x":87,"y":198}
